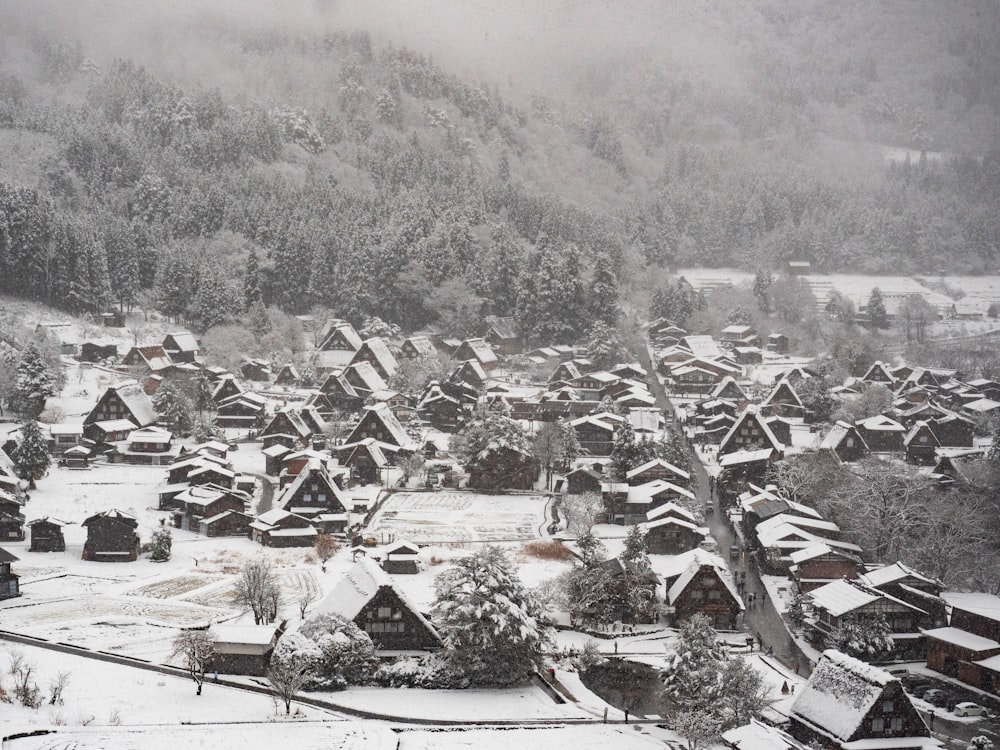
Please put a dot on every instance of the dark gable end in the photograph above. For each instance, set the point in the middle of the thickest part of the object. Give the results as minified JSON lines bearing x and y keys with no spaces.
{"x":393,"y":626}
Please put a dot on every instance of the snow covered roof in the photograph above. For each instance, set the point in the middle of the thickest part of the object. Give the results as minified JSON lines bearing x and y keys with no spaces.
{"x":185,"y":342}
{"x":897,"y":571}
{"x":839,"y":694}
{"x":984,"y":605}
{"x":721,"y":572}
{"x":759,"y":736}
{"x":671,"y":566}
{"x":644,"y":493}
{"x":808,"y":553}
{"x":358,"y":586}
{"x":670,"y":508}
{"x":881,"y":423}
{"x":745,"y":457}
{"x":654,"y":463}
{"x":150,"y":435}
{"x":962,"y":639}
{"x":115,"y":425}
{"x":808,"y":524}
{"x":840,"y":597}
{"x":252,"y":635}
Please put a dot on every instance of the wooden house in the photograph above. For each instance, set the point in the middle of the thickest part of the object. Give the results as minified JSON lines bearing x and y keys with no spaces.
{"x":9,"y":580}
{"x":582,"y":480}
{"x":845,"y":600}
{"x":698,"y":582}
{"x":848,"y":704}
{"x":478,"y":350}
{"x":341,"y":394}
{"x":199,"y":502}
{"x":845,"y":442}
{"x":364,"y":378}
{"x":921,"y":444}
{"x":149,"y":446}
{"x":320,"y":403}
{"x":565,"y":372}
{"x":111,"y":537}
{"x":209,"y":473}
{"x":634,"y":504}
{"x":61,"y":437}
{"x":181,"y":346}
{"x":245,"y":411}
{"x":470,"y":372}
{"x":243,"y":649}
{"x":287,"y":375}
{"x":338,"y":335}
{"x":417,"y":347}
{"x":819,"y":564}
{"x":657,"y":469}
{"x":376,"y":352}
{"x":126,"y":400}
{"x":281,"y":528}
{"x":315,"y":496}
{"x":778,"y":343}
{"x":977,"y":613}
{"x":92,"y":351}
{"x":366,"y":460}
{"x":113,"y":319}
{"x":226,"y":388}
{"x":103,"y":434}
{"x":178,"y":471}
{"x":501,"y":334}
{"x":226,"y":523}
{"x":975,"y":628}
{"x":882,"y":434}
{"x":672,"y":530}
{"x":11,"y":518}
{"x":289,"y":421}
{"x":147,"y":360}
{"x":380,"y":423}
{"x":750,"y":432}
{"x":953,"y":430}
{"x":955,"y":652}
{"x":47,"y":535}
{"x":879,"y":372}
{"x":258,"y":370}
{"x":367,"y":596}
{"x":596,"y":432}
{"x":401,"y":558}
{"x":782,"y":401}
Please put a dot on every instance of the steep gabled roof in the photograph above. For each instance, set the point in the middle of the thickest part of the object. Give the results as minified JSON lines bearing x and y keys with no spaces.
{"x":136,"y":401}
{"x":840,"y":693}
{"x":654,"y":463}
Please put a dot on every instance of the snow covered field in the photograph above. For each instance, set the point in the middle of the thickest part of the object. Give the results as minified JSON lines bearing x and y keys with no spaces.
{"x":460,"y":517}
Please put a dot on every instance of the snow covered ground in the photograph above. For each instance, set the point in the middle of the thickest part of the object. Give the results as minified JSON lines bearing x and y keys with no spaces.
{"x":460,"y":517}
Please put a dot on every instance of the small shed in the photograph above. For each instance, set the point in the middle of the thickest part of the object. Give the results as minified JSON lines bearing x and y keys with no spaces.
{"x":243,"y":649}
{"x":111,"y":537}
{"x":47,"y":535}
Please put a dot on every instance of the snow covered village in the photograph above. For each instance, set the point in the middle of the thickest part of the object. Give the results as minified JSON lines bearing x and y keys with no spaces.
{"x":546,"y":538}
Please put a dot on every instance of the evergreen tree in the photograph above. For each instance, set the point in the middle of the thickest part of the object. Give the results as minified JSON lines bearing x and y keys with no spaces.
{"x":623,"y":452}
{"x":34,"y":382}
{"x":877,"y":314}
{"x":173,"y":407}
{"x":493,"y":628}
{"x":203,"y":400}
{"x":251,"y":281}
{"x":692,"y":676}
{"x":161,"y":543}
{"x":570,"y":447}
{"x":258,"y":320}
{"x":602,"y":296}
{"x":31,"y":456}
{"x":762,"y":288}
{"x":592,"y":549}
{"x":634,"y":550}
{"x":605,"y":345}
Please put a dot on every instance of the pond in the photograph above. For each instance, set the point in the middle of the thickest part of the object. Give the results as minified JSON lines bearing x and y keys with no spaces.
{"x":626,"y":685}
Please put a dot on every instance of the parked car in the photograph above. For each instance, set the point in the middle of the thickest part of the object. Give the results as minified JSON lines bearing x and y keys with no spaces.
{"x":967,"y":708}
{"x":937,"y":697}
{"x":916,"y":685}
{"x":734,"y":552}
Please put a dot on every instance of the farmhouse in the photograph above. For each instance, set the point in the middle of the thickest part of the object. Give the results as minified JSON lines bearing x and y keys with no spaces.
{"x":367,"y":596}
{"x":181,"y":347}
{"x":376,"y":352}
{"x":149,"y":446}
{"x":849,"y":705}
{"x":126,"y":400}
{"x":698,"y":582}
{"x":280,"y":528}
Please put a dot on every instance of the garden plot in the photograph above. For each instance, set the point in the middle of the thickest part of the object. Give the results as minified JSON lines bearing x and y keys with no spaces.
{"x":31,"y":617}
{"x":173,"y":587}
{"x":458,"y":517}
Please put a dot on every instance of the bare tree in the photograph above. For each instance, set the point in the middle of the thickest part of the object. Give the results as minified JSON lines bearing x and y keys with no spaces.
{"x":25,"y":688}
{"x":196,"y":648}
{"x":57,"y":686}
{"x":412,"y":465}
{"x":580,"y":512}
{"x":257,"y":590}
{"x":307,"y":598}
{"x":326,"y":547}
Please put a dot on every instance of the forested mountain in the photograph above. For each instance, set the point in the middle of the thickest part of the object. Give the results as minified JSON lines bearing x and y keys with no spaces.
{"x":157,"y":157}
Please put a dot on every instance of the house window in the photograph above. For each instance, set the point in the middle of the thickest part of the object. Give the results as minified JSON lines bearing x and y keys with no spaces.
{"x":384,"y":613}
{"x":713,"y":595}
{"x":850,"y":442}
{"x":697,"y":594}
{"x":878,"y":724}
{"x":887,"y":707}
{"x":896,"y":724}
